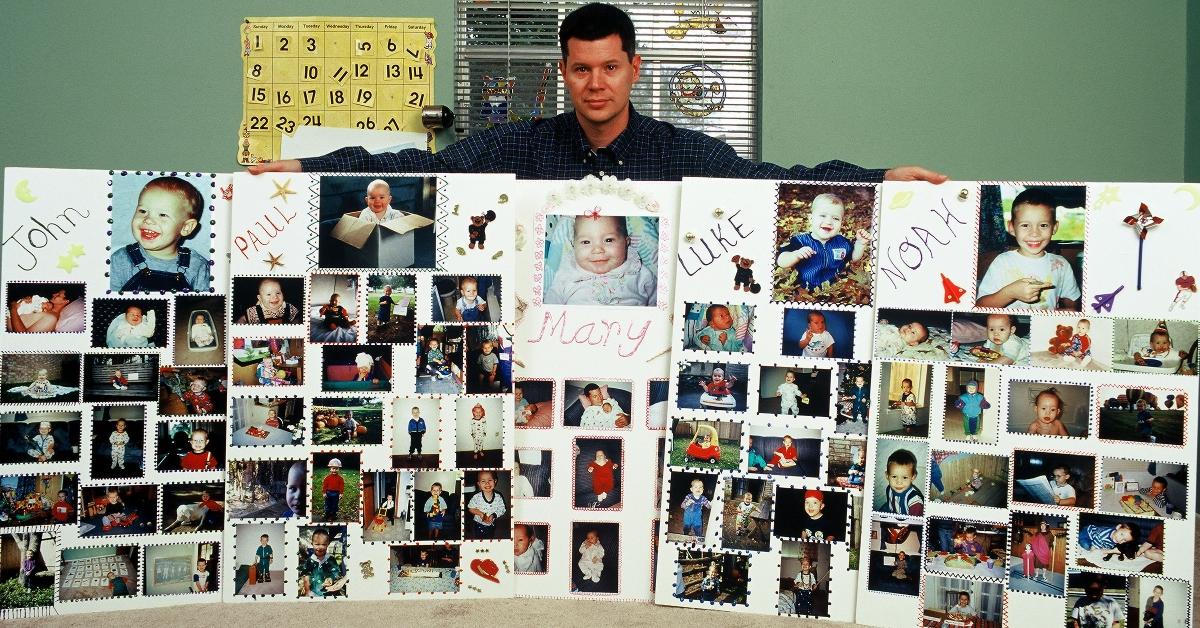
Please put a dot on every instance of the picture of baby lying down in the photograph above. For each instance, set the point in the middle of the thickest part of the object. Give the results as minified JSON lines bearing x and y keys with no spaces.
{"x":915,"y":337}
{"x":134,"y":328}
{"x":61,"y":311}
{"x":201,"y":334}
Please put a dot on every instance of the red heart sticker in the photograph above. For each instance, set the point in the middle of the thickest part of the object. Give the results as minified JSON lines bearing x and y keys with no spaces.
{"x":486,"y":569}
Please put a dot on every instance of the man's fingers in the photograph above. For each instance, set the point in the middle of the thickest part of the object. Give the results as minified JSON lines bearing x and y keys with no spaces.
{"x":914,"y":173}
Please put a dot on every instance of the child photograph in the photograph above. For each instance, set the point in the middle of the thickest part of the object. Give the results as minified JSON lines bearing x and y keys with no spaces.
{"x":267,"y":421}
{"x":487,"y":514}
{"x":713,"y":386}
{"x":711,"y":577}
{"x":947,"y":599}
{"x":259,"y":560}
{"x":847,"y":462}
{"x":1092,"y":601}
{"x":690,"y":506}
{"x":726,"y":327}
{"x":1142,"y":415}
{"x":119,"y":510}
{"x":188,"y":508}
{"x":1081,"y":343}
{"x":804,"y":574}
{"x":97,"y":573}
{"x":705,"y":444}
{"x":466,"y":298}
{"x":1055,"y":479}
{"x":818,"y":333}
{"x":416,"y":432}
{"x":895,"y":561}
{"x":968,"y":478}
{"x":199,"y":327}
{"x":783,"y":450}
{"x":595,"y":562}
{"x":747,"y":512}
{"x":356,"y":367}
{"x":266,"y":489}
{"x":336,"y":487}
{"x":424,"y":569}
{"x":900,"y":476}
{"x":597,"y":404}
{"x":391,"y":308}
{"x":37,"y":307}
{"x":998,"y":338}
{"x":268,"y":362}
{"x":821,"y":515}
{"x":1157,"y":347}
{"x":347,"y":421}
{"x":532,"y":473}
{"x":489,"y":360}
{"x":385,"y":507}
{"x":181,"y":568}
{"x":333,"y":310}
{"x":1049,"y":409}
{"x":120,"y":377}
{"x":191,"y":390}
{"x":40,"y":377}
{"x":794,"y":391}
{"x":268,"y":300}
{"x":597,"y":259}
{"x":531,"y":547}
{"x":118,"y":441}
{"x":1116,"y":543}
{"x":161,"y":234}
{"x":1143,"y":487}
{"x":479,"y":432}
{"x":323,"y":562}
{"x":28,"y":569}
{"x":369,"y":222}
{"x":34,"y":500}
{"x":598,"y":473}
{"x":52,"y":436}
{"x":915,"y":334}
{"x":971,"y":406}
{"x":130,"y":323}
{"x":534,"y":399}
{"x":437,"y":505}
{"x":1158,"y":602}
{"x":1037,"y":557}
{"x":190,"y":446}
{"x":823,"y":238}
{"x":957,"y":548}
{"x":853,"y":398}
{"x":440,"y":360}
{"x":1030,"y":246}
{"x":904,"y":399}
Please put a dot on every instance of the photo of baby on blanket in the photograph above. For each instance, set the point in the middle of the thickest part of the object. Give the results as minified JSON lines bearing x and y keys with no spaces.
{"x":1133,"y":544}
{"x":599,"y":259}
{"x":40,"y":377}
{"x":1055,"y":479}
{"x":45,"y":307}
{"x":916,"y":334}
{"x":719,"y":327}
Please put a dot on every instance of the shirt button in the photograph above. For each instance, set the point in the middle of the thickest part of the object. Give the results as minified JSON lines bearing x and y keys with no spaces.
{"x":602,"y":173}
{"x":620,"y":162}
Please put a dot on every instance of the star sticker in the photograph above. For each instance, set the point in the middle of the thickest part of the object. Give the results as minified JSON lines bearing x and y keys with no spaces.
{"x":1108,"y":196}
{"x":594,"y":214}
{"x":76,"y":250}
{"x":274,"y":260}
{"x":283,"y":190}
{"x":67,"y":262}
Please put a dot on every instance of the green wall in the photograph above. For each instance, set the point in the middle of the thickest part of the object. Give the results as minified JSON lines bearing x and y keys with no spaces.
{"x":1192,"y":166}
{"x":1020,"y":89}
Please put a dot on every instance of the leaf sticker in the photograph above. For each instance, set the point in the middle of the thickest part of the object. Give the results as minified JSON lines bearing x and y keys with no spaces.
{"x":460,"y":250}
{"x":498,"y":254}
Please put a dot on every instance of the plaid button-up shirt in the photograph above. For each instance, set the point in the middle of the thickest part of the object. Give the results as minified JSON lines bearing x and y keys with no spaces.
{"x":556,"y":148}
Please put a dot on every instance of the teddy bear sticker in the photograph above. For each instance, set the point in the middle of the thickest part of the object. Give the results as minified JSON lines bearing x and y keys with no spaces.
{"x":743,"y":277}
{"x":477,"y":230}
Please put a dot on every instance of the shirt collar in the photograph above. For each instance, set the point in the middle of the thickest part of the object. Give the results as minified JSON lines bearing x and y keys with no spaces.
{"x":620,"y":147}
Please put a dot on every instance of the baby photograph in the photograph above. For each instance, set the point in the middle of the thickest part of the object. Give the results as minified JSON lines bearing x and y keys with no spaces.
{"x":40,"y":377}
{"x":1037,"y":556}
{"x":991,"y":339}
{"x":347,"y":421}
{"x":199,"y":328}
{"x":33,"y":573}
{"x":1157,"y":347}
{"x":596,"y":563}
{"x":489,"y":360}
{"x":820,"y":518}
{"x":118,"y":441}
{"x":1144,"y":487}
{"x":598,"y":473}
{"x":1031,"y":245}
{"x":818,"y":333}
{"x":971,"y":405}
{"x":915,"y":334}
{"x":1049,"y":409}
{"x":794,"y":391}
{"x":266,"y":489}
{"x":969,"y":479}
{"x":598,"y":259}
{"x":391,"y":308}
{"x":52,"y":436}
{"x":747,"y":512}
{"x":324,"y":562}
{"x":690,"y":505}
{"x":713,"y":386}
{"x":333,"y":308}
{"x":424,"y":569}
{"x":370,"y":222}
{"x":161,"y":233}
{"x":853,"y":398}
{"x":336,"y":487}
{"x":531,"y":547}
{"x":88,"y":573}
{"x":356,"y":367}
{"x":719,"y":327}
{"x":479,"y":432}
{"x":268,"y":361}
{"x":534,"y":399}
{"x":804,"y":577}
{"x":1055,"y":479}
{"x":466,"y":298}
{"x":191,"y":390}
{"x":783,"y":450}
{"x":25,"y":498}
{"x":1119,"y":543}
{"x":959,"y":547}
{"x":532,"y":474}
{"x":847,"y":462}
{"x":1159,"y":600}
{"x":895,"y":560}
{"x":259,"y":563}
{"x":385,"y":506}
{"x":119,"y":510}
{"x":268,"y":300}
{"x":823,"y":241}
{"x":904,"y":399}
{"x":1084,"y":344}
{"x":487,"y":514}
{"x":705,"y":444}
{"x":948,"y":599}
{"x":45,"y":307}
{"x":120,"y":377}
{"x":266,"y":421}
{"x":130,"y":323}
{"x":900,"y":476}
{"x":597,"y":404}
{"x":713,"y":577}
{"x":181,"y":568}
{"x":437,"y":505}
{"x":190,"y":446}
{"x":1142,"y":415}
{"x":440,"y":360}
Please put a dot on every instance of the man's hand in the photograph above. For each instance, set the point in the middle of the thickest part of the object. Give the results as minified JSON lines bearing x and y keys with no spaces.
{"x":285,"y":165}
{"x":913,"y":173}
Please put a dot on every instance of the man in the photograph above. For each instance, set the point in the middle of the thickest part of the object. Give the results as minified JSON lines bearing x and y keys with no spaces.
{"x":602,"y":136}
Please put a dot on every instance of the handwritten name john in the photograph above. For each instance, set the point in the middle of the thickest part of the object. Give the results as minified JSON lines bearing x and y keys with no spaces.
{"x":39,"y":235}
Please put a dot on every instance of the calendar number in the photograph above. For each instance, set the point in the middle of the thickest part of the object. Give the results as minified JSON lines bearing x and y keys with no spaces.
{"x":283,"y":44}
{"x":415,"y":54}
{"x":285,"y":125}
{"x":340,"y":74}
{"x":256,"y":70}
{"x":283,"y":97}
{"x":415,"y":72}
{"x":365,"y":124}
{"x":312,"y":120}
{"x":361,"y":70}
{"x":363,"y":97}
{"x":311,"y":44}
{"x":337,"y":97}
{"x":391,"y":46}
{"x":311,"y":72}
{"x":392,"y":125}
{"x":309,"y":96}
{"x":392,"y":70}
{"x":258,"y":94}
{"x":416,"y":99}
{"x":258,"y":123}
{"x":362,"y":46}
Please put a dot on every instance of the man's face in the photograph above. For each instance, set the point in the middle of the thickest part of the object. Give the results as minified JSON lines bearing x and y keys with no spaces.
{"x":599,"y":76}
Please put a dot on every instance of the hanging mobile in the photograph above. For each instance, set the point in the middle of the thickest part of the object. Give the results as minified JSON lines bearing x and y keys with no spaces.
{"x":1142,"y":222}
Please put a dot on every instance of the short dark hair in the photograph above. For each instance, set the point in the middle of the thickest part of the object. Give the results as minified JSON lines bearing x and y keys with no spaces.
{"x":1036,"y":196}
{"x":597,"y":21}
{"x":903,"y":458}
